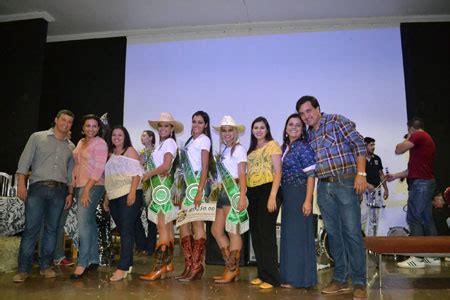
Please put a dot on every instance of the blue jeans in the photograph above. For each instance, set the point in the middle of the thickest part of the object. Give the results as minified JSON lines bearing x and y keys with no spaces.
{"x":419,"y":215}
{"x":125,"y":218}
{"x":87,"y":223}
{"x":339,"y":205}
{"x":60,"y":247}
{"x":44,"y":205}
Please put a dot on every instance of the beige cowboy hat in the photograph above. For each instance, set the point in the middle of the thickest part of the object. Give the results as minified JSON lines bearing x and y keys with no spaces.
{"x":229,"y":121}
{"x":167,"y":118}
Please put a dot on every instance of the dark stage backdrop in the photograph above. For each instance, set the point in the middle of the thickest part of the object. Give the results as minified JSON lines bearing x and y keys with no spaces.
{"x":426,"y":59}
{"x":22,"y":53}
{"x":86,"y":76}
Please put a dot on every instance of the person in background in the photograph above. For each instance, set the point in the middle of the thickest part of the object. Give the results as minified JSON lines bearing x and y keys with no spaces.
{"x":145,"y":245}
{"x":370,"y":208}
{"x":49,"y":155}
{"x":374,"y":168}
{"x":123,"y":173}
{"x":421,"y":187}
{"x":263,"y":182}
{"x":441,"y":214}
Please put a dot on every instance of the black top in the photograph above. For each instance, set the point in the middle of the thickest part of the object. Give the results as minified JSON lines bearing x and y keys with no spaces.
{"x":373,"y":168}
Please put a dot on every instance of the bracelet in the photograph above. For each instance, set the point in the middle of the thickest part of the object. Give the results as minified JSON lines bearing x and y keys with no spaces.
{"x":362,"y":174}
{"x":69,"y":193}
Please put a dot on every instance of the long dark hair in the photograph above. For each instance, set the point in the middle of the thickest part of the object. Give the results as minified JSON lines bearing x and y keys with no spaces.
{"x":286,"y":141}
{"x":92,"y":117}
{"x":126,"y":140}
{"x":207,"y":132}
{"x":253,"y":141}
{"x":152,"y":135}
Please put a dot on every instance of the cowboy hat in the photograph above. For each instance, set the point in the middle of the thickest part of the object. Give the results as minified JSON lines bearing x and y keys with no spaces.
{"x":167,"y":118}
{"x":229,"y":121}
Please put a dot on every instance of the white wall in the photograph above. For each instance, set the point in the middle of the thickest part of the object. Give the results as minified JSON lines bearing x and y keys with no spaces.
{"x":357,"y":73}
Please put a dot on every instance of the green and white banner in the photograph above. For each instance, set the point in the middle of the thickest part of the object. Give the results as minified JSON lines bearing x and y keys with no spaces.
{"x":161,"y":195}
{"x":237,"y":222}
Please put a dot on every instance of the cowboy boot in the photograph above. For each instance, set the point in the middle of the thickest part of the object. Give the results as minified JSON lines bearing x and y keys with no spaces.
{"x":232,"y":271}
{"x":197,"y":269}
{"x":186,"y":245}
{"x":159,"y":266}
{"x":169,"y":258}
{"x":238,"y":260}
{"x":226,"y":256}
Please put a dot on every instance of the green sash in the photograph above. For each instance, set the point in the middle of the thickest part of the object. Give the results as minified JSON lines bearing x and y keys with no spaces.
{"x":191,"y":180}
{"x":147,"y":155}
{"x":161,"y":195}
{"x":237,"y":222}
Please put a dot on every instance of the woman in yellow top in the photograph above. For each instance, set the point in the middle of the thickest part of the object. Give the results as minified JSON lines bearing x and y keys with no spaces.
{"x":263,"y":182}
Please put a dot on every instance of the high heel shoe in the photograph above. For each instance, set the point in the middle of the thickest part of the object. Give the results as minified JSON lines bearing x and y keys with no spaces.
{"x":232,"y":268}
{"x":117,"y":277}
{"x":197,"y":269}
{"x":187,"y":243}
{"x":226,"y":256}
{"x":159,"y":269}
{"x":79,"y":276}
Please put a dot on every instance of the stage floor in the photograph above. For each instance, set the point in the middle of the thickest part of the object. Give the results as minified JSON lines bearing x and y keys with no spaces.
{"x":429,"y":283}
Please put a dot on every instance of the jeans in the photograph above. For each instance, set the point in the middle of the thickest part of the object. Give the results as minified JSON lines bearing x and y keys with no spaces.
{"x":43,"y":206}
{"x":87,"y":223}
{"x":59,"y":248}
{"x":339,"y":206}
{"x":125,"y":218}
{"x":419,"y":215}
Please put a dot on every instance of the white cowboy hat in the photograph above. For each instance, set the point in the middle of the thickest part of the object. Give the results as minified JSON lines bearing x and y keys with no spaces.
{"x":229,"y":121}
{"x":167,"y":118}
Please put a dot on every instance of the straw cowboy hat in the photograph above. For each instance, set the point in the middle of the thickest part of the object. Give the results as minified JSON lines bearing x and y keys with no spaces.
{"x":167,"y":118}
{"x":229,"y":121}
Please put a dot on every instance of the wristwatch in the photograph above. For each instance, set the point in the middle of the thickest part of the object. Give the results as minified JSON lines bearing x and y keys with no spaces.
{"x":362,"y":174}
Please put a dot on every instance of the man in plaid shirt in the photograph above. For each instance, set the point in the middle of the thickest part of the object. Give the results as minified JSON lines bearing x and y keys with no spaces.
{"x":340,"y":168}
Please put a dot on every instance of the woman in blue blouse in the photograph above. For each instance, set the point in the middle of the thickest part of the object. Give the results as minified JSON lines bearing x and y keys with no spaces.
{"x":297,"y":256}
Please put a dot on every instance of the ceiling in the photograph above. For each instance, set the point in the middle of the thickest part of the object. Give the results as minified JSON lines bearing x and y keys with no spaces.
{"x":166,"y":19}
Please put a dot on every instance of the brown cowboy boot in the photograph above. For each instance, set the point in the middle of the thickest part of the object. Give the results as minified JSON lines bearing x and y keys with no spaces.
{"x":169,"y":258}
{"x":186,"y":245}
{"x":226,"y":256}
{"x":197,"y":269}
{"x":232,"y":272}
{"x":159,"y":267}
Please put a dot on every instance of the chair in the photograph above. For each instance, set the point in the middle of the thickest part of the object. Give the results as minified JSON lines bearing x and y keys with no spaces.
{"x":5,"y":184}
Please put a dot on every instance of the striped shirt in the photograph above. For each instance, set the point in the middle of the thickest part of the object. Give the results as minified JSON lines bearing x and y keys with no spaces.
{"x":336,"y":144}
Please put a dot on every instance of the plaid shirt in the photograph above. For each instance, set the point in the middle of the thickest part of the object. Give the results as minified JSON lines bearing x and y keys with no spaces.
{"x":336,"y":144}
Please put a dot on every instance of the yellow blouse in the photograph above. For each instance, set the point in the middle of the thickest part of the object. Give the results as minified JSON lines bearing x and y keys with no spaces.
{"x":260,"y":167}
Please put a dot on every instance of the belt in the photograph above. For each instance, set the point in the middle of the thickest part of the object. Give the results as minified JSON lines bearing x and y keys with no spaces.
{"x":337,"y":178}
{"x":51,"y":183}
